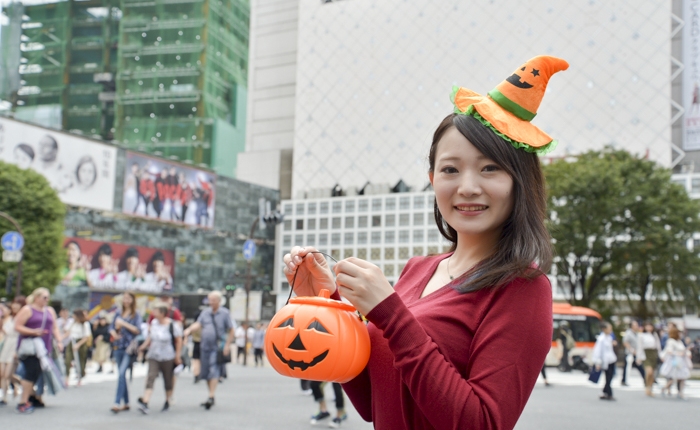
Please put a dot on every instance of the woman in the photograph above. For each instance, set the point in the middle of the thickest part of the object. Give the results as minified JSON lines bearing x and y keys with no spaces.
{"x":159,"y":279}
{"x":100,"y":332}
{"x":124,"y":329}
{"x":86,"y":172}
{"x":74,"y":274}
{"x":8,"y":352}
{"x":164,"y":343}
{"x":648,"y":352}
{"x":105,"y":275}
{"x":460,"y":340}
{"x":35,"y":321}
{"x":604,"y":358}
{"x":676,"y":358}
{"x":77,"y":350}
{"x":131,"y":278}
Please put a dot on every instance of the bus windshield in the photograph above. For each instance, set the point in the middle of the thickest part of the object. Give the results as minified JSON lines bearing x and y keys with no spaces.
{"x":583,"y":328}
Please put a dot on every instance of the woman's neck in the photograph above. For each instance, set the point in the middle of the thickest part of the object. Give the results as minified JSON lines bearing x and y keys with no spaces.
{"x":471,"y":249}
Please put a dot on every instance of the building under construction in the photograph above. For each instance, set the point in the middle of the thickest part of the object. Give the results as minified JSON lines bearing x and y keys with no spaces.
{"x":161,"y":76}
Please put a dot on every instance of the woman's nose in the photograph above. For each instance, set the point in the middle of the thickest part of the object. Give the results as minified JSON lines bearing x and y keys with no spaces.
{"x":470,"y":184}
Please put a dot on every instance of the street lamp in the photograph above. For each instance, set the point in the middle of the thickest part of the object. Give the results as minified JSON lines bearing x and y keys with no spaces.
{"x":271,"y":218}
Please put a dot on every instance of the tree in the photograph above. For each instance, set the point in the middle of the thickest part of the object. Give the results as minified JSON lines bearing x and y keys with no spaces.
{"x":28,"y":197}
{"x":622,"y":228}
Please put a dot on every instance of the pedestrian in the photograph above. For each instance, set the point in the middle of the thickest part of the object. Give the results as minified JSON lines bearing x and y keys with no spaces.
{"x":258,"y":342}
{"x":240,"y":334}
{"x":459,"y":341}
{"x":629,"y":340}
{"x":676,"y":363}
{"x":566,"y":343}
{"x":80,"y":333}
{"x":8,"y":351}
{"x":604,"y":358}
{"x":124,"y":329}
{"x":215,"y":347}
{"x":164,"y":343}
{"x":196,"y":352}
{"x":544,"y":376}
{"x":36,"y":323}
{"x":100,"y":333}
{"x":317,"y":388}
{"x":648,"y":352}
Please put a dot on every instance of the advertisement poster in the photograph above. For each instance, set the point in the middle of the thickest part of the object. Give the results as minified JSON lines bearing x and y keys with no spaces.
{"x":81,"y":171}
{"x":691,"y":75}
{"x":107,"y":266}
{"x":157,"y":189}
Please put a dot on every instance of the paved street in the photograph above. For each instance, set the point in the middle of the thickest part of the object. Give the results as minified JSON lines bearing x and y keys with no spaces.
{"x":258,"y":398}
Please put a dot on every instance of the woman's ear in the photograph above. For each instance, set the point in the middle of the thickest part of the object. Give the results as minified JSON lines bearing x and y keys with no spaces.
{"x":430,"y":177}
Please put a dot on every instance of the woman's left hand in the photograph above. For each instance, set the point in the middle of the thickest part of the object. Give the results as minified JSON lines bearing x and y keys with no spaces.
{"x":362,"y":283}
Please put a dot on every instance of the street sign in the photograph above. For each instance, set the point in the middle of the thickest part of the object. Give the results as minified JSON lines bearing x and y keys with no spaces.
{"x":12,"y":241}
{"x":249,"y":249}
{"x":11,"y":256}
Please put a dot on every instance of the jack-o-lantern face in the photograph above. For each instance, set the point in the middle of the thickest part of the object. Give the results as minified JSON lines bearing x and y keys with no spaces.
{"x":317,"y":339}
{"x":519,"y":82}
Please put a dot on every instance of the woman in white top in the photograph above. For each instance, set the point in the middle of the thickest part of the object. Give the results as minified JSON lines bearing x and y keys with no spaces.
{"x":648,"y":351}
{"x":675,"y":368}
{"x":604,"y":358}
{"x":8,"y":352}
{"x":77,"y":350}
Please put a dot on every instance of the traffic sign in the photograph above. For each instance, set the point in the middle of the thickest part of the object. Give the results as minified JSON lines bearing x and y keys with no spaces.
{"x":11,"y":256}
{"x":249,"y":249}
{"x":12,"y":241}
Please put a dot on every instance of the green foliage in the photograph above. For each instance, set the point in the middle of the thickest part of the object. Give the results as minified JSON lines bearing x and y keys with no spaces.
{"x":621,"y":230}
{"x":27,"y":197}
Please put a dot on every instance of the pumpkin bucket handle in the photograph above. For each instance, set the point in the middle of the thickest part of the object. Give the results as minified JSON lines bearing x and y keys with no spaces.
{"x":291,"y":288}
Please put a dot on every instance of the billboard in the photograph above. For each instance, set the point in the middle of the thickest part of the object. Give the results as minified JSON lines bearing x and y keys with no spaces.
{"x":81,"y":171}
{"x":158,"y":189}
{"x":107,"y":266}
{"x":691,"y":75}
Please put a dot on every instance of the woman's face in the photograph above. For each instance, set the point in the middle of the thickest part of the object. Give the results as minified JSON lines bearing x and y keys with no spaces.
{"x":105,"y":260}
{"x":127,"y":300}
{"x":474,"y":194}
{"x":73,"y":252}
{"x":22,"y":159}
{"x":15,"y":308}
{"x":42,"y":299}
{"x":87,"y":173}
{"x":607,"y":330}
{"x":157,"y":266}
{"x":649,"y":328}
{"x":132,"y":263}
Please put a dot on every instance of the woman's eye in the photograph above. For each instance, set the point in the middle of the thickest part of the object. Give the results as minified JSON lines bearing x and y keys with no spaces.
{"x":448,"y":169}
{"x":491,"y":168}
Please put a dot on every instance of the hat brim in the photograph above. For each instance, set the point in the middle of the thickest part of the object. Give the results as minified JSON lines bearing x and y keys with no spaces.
{"x":503,"y":122}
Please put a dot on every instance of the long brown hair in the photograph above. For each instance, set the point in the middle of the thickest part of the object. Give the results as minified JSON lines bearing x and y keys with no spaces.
{"x":524,"y":239}
{"x":132,"y":308}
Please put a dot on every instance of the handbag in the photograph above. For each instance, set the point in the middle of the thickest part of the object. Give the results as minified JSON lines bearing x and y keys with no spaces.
{"x":594,"y":375}
{"x":26,"y":346}
{"x":221,"y":358}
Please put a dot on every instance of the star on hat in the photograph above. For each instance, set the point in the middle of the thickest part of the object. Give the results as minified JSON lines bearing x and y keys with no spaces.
{"x":509,"y":108}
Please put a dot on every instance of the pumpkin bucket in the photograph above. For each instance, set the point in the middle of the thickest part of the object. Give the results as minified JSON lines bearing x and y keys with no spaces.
{"x":318,"y":339}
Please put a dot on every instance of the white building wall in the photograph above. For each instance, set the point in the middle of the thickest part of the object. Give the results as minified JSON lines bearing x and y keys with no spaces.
{"x":373,"y":79}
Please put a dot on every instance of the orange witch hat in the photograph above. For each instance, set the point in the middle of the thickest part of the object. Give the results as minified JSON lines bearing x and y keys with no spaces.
{"x":509,"y":108}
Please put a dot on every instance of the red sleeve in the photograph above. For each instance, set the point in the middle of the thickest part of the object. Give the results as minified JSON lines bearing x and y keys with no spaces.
{"x":177,"y":315}
{"x":507,"y":353}
{"x":162,"y":190}
{"x":143,"y":187}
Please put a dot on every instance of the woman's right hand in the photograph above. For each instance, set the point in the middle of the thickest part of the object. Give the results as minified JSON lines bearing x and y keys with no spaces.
{"x":312,"y":271}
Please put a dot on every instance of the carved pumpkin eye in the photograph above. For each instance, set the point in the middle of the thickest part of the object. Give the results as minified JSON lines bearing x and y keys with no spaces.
{"x":289,"y":322}
{"x":315,"y":325}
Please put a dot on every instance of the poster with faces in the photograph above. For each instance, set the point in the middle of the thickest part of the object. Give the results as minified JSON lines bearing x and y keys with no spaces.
{"x":81,"y":171}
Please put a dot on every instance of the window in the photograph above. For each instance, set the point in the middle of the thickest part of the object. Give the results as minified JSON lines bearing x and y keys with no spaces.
{"x":433,"y":236}
{"x":310,"y":239}
{"x":311,"y":224}
{"x":324,"y":224}
{"x":695,"y":185}
{"x":335,"y":239}
{"x":312,"y":208}
{"x":431,"y":201}
{"x":349,"y":222}
{"x":403,"y":253}
{"x":347,"y":253}
{"x":432,"y":250}
{"x":696,"y":244}
{"x":299,"y":239}
{"x":350,"y":206}
{"x":404,"y":236}
{"x":362,"y":253}
{"x":376,"y":237}
{"x":300,"y":209}
{"x":418,"y":218}
{"x":404,"y":203}
{"x":300,"y":224}
{"x":349,"y":238}
{"x":335,"y":253}
{"x":324,"y":208}
{"x":389,"y":254}
{"x":376,"y":220}
{"x":287,"y":242}
{"x":376,"y":254}
{"x":336,"y":223}
{"x":288,"y":225}
{"x":376,"y":205}
{"x":337,"y":207}
{"x":390,"y":204}
{"x":362,"y":238}
{"x":404,"y":219}
{"x":362,"y":205}
{"x":362,"y":221}
{"x":323,"y":239}
{"x":390,"y":220}
{"x":418,"y":202}
{"x":388,"y":270}
{"x":288,"y":208}
{"x":389,"y":236}
{"x":418,"y":236}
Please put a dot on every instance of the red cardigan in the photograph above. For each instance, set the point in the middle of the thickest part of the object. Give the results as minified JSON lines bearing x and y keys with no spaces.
{"x":451,"y":360}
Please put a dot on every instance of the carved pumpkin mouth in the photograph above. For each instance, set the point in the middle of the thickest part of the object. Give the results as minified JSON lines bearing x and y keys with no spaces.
{"x":300,"y":364}
{"x":516,"y":80}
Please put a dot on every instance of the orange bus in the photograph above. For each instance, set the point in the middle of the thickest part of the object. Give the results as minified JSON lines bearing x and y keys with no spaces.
{"x":585,"y":326}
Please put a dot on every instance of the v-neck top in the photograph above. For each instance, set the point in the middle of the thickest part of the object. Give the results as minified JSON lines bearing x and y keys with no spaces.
{"x":453,"y":360}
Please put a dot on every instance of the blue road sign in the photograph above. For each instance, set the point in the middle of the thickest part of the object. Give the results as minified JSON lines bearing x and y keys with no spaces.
{"x":12,"y":241}
{"x":249,"y":249}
